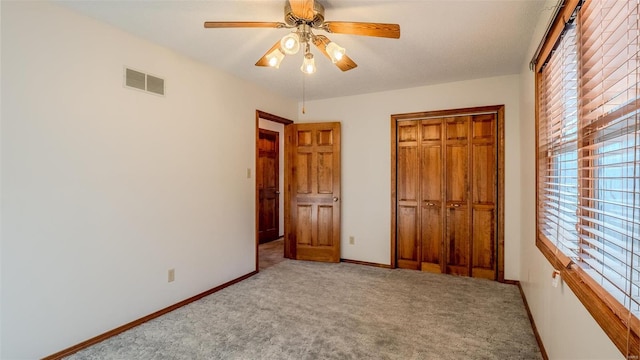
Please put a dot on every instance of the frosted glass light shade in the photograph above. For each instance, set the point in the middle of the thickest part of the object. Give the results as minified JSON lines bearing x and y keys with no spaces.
{"x":308,"y":65}
{"x":290,"y":43}
{"x":335,"y":51}
{"x":274,"y":58}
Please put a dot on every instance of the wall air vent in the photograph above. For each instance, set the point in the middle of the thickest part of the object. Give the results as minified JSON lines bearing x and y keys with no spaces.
{"x":138,"y":80}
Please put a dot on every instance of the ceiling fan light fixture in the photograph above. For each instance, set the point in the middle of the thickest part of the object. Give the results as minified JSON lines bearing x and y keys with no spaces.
{"x":290,"y":43}
{"x":274,"y":58}
{"x":308,"y":64}
{"x":335,"y":51}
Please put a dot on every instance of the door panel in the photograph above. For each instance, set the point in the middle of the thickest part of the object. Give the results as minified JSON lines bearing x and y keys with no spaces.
{"x":457,"y":170}
{"x":325,"y":173}
{"x":313,"y":192}
{"x":484,"y":165}
{"x":484,"y":190}
{"x":325,"y":226}
{"x":408,"y":175}
{"x":267,"y":179}
{"x":484,"y":127}
{"x":457,"y":241}
{"x":407,"y":237}
{"x":431,"y":176}
{"x":303,"y":168}
{"x":457,"y":128}
{"x":304,"y":222}
{"x":457,"y":238}
{"x":484,"y":251}
{"x":431,"y":238}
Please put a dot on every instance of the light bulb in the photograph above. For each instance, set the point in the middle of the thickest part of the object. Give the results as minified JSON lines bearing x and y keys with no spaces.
{"x":336,"y":52}
{"x":308,"y":65}
{"x":290,"y":44}
{"x":274,"y":58}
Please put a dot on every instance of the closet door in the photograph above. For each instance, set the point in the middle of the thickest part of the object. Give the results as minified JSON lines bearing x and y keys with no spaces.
{"x":408,"y":210}
{"x":431,"y":187}
{"x":457,"y":238}
{"x":447,"y":194}
{"x":483,"y":189}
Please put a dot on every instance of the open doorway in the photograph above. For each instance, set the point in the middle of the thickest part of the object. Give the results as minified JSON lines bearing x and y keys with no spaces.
{"x":270,"y":220}
{"x":268,"y":185}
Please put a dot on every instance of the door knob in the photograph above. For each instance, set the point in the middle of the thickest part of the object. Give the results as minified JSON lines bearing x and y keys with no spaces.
{"x":335,"y":199}
{"x":455,"y":205}
{"x":276,"y":192}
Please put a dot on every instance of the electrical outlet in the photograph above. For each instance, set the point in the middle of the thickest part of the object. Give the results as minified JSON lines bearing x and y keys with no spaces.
{"x":352,"y":240}
{"x":171,"y":275}
{"x":248,"y":173}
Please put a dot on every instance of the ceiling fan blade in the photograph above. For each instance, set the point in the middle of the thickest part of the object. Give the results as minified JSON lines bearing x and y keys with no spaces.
{"x":366,"y":29}
{"x":302,"y":9}
{"x":263,"y":60}
{"x":242,"y":24}
{"x":345,"y":64}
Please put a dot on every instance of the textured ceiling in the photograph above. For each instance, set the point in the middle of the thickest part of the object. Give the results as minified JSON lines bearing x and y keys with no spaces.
{"x":441,"y":40}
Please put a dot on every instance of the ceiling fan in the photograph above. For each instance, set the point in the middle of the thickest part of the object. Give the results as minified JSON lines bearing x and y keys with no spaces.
{"x":304,"y":16}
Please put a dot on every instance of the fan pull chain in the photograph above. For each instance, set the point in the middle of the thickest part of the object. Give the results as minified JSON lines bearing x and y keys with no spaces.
{"x":303,"y":93}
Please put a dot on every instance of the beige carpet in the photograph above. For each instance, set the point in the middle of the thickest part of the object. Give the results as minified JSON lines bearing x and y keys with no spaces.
{"x":307,"y":310}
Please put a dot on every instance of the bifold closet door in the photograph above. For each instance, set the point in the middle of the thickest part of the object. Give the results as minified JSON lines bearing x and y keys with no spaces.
{"x":446,"y":195}
{"x":431,"y":192}
{"x":457,"y":239}
{"x":484,"y":198}
{"x":408,"y":198}
{"x":419,"y":192}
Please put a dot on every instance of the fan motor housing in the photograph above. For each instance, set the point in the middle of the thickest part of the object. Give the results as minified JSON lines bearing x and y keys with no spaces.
{"x":292,"y":20}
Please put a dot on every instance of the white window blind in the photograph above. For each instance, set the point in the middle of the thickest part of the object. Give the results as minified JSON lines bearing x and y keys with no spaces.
{"x":609,"y":152}
{"x":557,"y":146}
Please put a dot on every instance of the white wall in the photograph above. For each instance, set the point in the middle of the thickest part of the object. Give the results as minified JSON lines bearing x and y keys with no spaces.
{"x":366,"y":157}
{"x":568,"y":331}
{"x":105,"y":188}
{"x":279,"y":128}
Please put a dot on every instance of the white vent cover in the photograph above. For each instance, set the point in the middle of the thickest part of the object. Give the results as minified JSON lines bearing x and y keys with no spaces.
{"x":138,"y":80}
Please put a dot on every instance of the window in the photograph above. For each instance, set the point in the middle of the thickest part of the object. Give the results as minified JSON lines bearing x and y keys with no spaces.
{"x":588,"y":216}
{"x":557,"y":146}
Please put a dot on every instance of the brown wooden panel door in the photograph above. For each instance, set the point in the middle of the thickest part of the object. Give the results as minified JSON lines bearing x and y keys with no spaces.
{"x":446,"y":180}
{"x":408,"y":175}
{"x":457,"y":239}
{"x":484,"y":199}
{"x":431,"y":186}
{"x":313,"y":192}
{"x":267,"y":178}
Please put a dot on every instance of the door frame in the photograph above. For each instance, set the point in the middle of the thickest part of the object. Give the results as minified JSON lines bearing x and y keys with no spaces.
{"x":499,"y":110}
{"x":277,"y":119}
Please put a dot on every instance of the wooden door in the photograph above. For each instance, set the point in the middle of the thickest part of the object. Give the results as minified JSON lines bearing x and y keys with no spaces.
{"x":313,"y":192}
{"x":483,"y":195}
{"x":408,"y":206}
{"x":457,"y":239}
{"x":446,"y":186}
{"x":432,"y":187}
{"x":268,"y":184}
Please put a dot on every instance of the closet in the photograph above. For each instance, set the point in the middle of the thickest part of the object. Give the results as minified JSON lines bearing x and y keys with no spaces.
{"x":446,"y":191}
